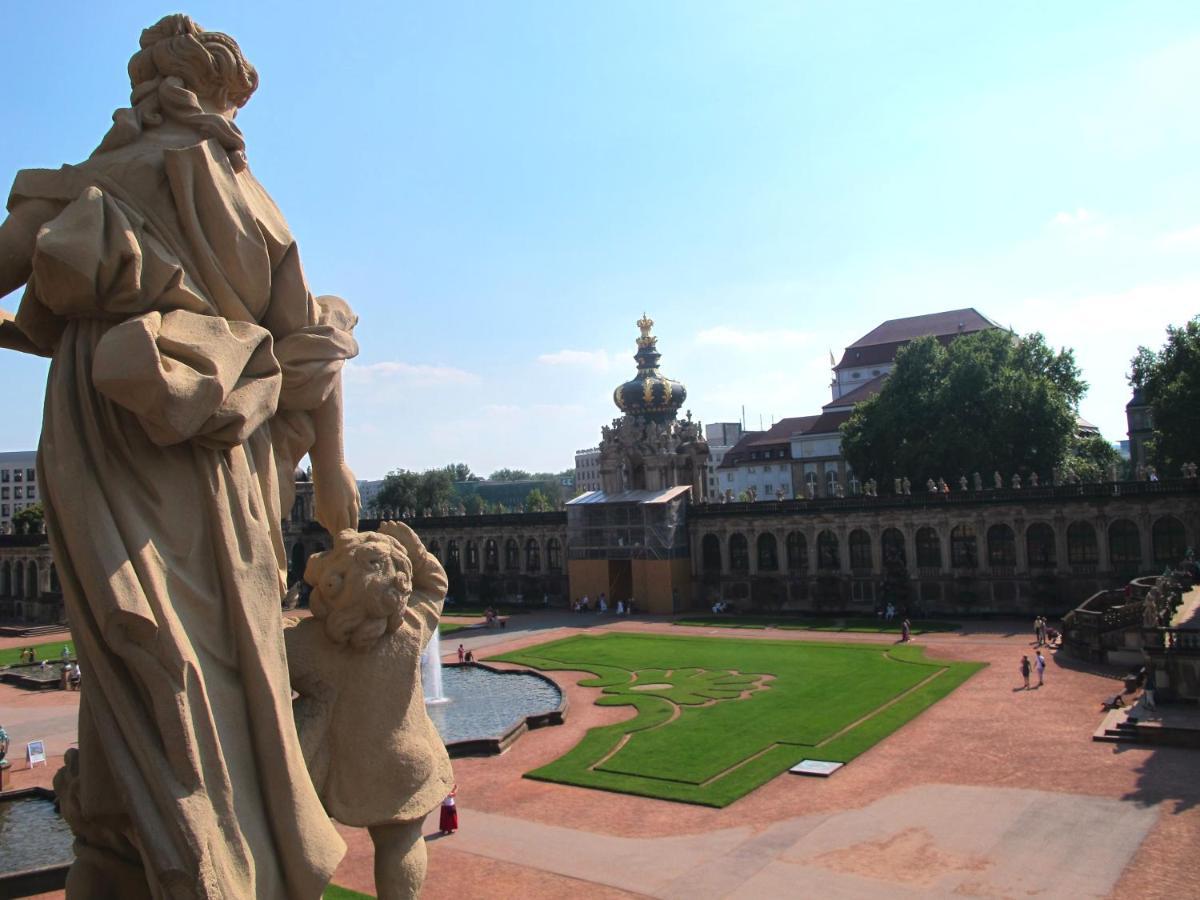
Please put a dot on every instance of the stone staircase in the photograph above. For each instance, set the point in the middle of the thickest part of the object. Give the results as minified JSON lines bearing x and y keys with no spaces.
{"x":1167,"y":726}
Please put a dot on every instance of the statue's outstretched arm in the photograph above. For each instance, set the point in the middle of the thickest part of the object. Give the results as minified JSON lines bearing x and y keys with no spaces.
{"x":335,"y":492}
{"x":18,"y":235}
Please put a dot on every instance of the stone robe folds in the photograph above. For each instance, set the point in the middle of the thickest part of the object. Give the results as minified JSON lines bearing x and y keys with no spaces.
{"x":170,"y":295}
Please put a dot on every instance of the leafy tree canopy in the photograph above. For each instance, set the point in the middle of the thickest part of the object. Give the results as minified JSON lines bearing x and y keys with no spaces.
{"x":29,"y":520}
{"x":404,"y":490}
{"x":536,"y":501}
{"x":989,"y":401}
{"x":1170,"y":384}
{"x":510,"y":475}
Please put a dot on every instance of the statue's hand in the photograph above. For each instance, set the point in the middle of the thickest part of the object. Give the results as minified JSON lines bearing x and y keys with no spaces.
{"x":335,"y":498}
{"x":428,"y":575}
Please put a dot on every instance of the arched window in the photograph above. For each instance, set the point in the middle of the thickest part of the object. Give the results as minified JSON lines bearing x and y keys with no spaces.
{"x":5,"y":579}
{"x":963,"y":552}
{"x":797,"y":552}
{"x":553,"y":555}
{"x":827,"y":551}
{"x":1169,"y":541}
{"x":491,"y":556}
{"x":1081,"y":544}
{"x":892,"y":544}
{"x":472,"y":556}
{"x":1124,"y":544}
{"x":768,"y":553}
{"x":533,"y":556}
{"x":710,"y":553}
{"x":435,"y":548}
{"x":452,"y":557}
{"x":512,"y":555}
{"x":1002,"y":547}
{"x":18,"y":590}
{"x":1039,"y":546}
{"x":929,"y":548}
{"x":860,"y":549}
{"x":739,"y":553}
{"x":32,"y":588}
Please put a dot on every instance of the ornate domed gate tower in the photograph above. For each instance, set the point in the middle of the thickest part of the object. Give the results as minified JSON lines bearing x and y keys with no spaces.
{"x":629,"y":540}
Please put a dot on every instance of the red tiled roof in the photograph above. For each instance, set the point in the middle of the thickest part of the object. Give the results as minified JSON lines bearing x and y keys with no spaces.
{"x":828,"y":423}
{"x":864,"y":391}
{"x":777,"y":437}
{"x":881,"y":343}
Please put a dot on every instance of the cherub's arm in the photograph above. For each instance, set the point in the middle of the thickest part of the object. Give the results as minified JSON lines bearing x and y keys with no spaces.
{"x":429,"y":581}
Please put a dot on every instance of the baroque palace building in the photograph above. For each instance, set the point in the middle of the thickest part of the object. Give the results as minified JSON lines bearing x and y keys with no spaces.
{"x":652,"y":532}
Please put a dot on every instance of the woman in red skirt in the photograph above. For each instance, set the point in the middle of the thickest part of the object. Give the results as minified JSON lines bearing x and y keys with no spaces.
{"x":448,"y":821}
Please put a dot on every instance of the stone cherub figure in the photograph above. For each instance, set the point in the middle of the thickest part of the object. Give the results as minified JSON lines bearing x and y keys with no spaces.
{"x":375,"y":757}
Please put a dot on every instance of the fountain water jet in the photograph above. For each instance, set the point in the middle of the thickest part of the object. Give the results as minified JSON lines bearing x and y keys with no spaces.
{"x":431,"y":671}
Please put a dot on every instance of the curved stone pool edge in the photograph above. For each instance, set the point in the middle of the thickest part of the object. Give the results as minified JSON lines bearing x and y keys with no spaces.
{"x":36,"y":879}
{"x":493,"y":746}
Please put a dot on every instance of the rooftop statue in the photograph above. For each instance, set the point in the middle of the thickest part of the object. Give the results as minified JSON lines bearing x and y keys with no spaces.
{"x":191,"y":369}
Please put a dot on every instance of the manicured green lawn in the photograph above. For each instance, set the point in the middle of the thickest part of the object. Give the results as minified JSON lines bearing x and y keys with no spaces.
{"x":862,"y":624}
{"x":476,"y":611}
{"x":718,"y":717}
{"x":449,"y":627}
{"x":333,"y":892}
{"x":51,"y":650}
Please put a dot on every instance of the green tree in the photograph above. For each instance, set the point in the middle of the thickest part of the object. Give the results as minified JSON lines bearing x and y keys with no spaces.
{"x":398,"y":491}
{"x":510,"y":475}
{"x":461,"y":472}
{"x":473,"y":504}
{"x":435,"y":489}
{"x":1170,"y":384}
{"x":1092,"y":458}
{"x":29,"y":520}
{"x":536,"y":501}
{"x":990,"y":401}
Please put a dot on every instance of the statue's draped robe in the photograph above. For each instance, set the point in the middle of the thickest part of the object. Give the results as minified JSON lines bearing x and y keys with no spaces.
{"x":186,"y":354}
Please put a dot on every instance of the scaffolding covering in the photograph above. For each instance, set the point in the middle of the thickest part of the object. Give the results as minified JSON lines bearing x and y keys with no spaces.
{"x":628,"y":525}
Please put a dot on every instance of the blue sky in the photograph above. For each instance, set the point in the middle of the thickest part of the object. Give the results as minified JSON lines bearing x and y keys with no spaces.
{"x":501,"y":189}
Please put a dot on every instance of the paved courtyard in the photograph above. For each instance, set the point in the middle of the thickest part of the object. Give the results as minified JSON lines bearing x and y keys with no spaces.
{"x":994,"y":792}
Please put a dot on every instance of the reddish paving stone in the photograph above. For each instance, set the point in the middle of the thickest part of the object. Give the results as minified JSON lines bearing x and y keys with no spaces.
{"x":985,"y":734}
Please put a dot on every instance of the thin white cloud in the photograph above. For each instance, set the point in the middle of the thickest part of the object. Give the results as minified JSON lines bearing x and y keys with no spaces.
{"x":1186,"y":238}
{"x":414,"y":374}
{"x":1080,"y":216}
{"x":591,"y":359}
{"x":771,"y":340}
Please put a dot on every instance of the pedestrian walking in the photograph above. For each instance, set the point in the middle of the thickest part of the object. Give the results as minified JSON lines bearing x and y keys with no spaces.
{"x":1025,"y":669}
{"x":462,"y":654}
{"x":1040,"y":665}
{"x":905,"y":631}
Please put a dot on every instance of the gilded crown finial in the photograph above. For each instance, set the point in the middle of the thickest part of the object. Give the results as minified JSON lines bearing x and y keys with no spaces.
{"x":645,"y":323}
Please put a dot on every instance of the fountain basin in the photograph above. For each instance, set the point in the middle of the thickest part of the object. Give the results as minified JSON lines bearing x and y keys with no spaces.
{"x":36,"y":845}
{"x":487,"y":709}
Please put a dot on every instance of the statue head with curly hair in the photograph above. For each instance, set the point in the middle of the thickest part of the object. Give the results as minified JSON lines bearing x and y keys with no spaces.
{"x":189,"y":76}
{"x":360,"y":587}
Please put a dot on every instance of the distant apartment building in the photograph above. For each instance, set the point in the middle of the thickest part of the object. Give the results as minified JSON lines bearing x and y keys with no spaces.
{"x":722,"y":437}
{"x":873,"y":355}
{"x":809,"y":448}
{"x":587,"y":470}
{"x":18,"y":485}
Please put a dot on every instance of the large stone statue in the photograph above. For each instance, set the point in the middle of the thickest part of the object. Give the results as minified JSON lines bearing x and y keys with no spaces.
{"x":191,"y":368}
{"x":376,"y":601}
